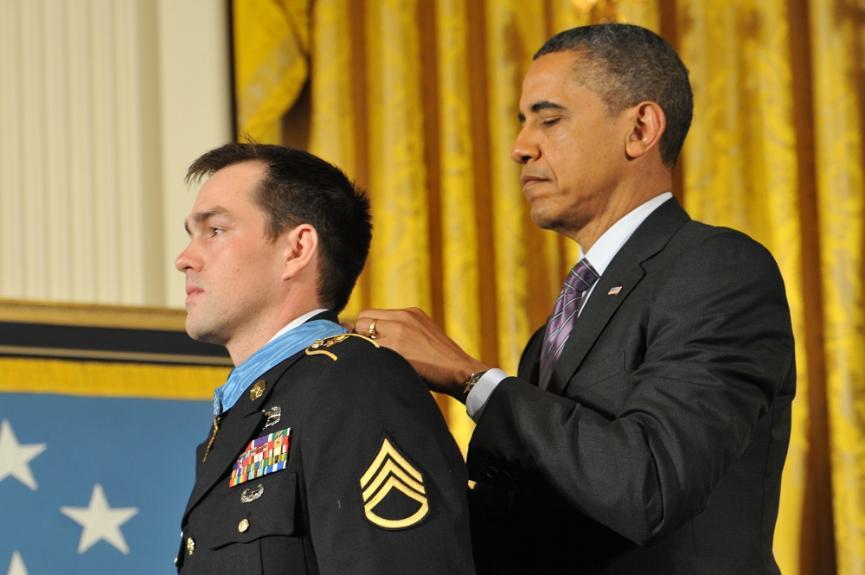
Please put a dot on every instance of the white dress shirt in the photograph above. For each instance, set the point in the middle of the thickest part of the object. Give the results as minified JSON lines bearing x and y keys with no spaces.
{"x":296,"y":322}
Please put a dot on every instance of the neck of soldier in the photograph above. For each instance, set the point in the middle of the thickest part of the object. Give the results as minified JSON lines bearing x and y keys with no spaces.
{"x":628,"y":195}
{"x":250,"y":338}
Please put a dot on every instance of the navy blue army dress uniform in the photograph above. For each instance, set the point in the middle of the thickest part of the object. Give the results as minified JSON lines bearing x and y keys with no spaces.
{"x":337,"y":460}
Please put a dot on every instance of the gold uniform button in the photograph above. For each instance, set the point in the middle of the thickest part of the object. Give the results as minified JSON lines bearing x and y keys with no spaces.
{"x":243,"y":526}
{"x":190,"y":546}
{"x":257,"y":390}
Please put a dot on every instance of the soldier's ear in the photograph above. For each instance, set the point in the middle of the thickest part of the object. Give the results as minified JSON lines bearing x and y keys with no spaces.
{"x":300,"y":245}
{"x":647,"y":125}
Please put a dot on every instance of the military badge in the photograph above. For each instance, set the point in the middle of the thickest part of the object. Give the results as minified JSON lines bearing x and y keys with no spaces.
{"x":264,"y":455}
{"x":393,"y":492}
{"x":251,"y":494}
{"x":257,"y":390}
{"x":272,"y":415}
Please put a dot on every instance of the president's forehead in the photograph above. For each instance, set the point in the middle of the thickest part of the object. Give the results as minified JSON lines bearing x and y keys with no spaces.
{"x":556,"y":80}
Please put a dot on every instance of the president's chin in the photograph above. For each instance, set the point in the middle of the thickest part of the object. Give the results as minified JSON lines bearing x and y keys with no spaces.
{"x":565,"y":222}
{"x":546,"y":220}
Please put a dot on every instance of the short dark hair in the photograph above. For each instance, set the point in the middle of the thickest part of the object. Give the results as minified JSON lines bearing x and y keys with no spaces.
{"x":626,"y":65}
{"x":299,"y":188}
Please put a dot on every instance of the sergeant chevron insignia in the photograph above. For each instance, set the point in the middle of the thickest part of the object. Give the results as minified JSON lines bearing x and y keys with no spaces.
{"x":388,"y":473}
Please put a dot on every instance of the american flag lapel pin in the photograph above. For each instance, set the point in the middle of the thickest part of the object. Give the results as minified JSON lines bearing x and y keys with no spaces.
{"x":614,"y":290}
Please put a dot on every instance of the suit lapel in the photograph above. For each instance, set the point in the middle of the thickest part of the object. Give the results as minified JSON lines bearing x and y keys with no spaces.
{"x":618,"y":281}
{"x":595,"y":316}
{"x":246,"y":417}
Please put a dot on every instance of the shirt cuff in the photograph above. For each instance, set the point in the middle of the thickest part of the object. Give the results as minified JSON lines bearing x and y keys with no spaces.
{"x":477,"y":398}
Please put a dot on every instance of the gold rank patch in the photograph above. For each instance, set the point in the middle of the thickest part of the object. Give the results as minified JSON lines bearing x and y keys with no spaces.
{"x":391,"y":471}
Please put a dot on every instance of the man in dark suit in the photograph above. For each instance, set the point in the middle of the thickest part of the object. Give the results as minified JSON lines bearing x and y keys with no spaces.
{"x":647,"y":427}
{"x":327,"y":453}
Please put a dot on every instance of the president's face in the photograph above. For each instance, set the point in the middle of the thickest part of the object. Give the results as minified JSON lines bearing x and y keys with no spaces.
{"x":571,"y":148}
{"x":232,"y":268}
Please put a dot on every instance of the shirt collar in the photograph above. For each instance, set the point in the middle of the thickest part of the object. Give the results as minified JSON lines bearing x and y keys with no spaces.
{"x":611,"y":241}
{"x":296,"y":322}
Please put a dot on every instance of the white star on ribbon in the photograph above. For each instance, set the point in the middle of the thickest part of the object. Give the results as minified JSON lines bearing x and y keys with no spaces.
{"x":100,"y":521}
{"x":15,"y":457}
{"x":16,"y":566}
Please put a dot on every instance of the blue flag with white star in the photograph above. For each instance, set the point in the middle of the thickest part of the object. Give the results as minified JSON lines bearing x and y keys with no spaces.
{"x":97,"y":457}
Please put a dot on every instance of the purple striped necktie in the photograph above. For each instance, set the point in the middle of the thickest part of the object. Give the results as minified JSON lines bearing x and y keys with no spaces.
{"x":577,"y":285}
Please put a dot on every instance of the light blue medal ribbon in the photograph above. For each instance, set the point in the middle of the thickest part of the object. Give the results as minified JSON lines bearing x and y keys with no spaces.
{"x":275,"y":351}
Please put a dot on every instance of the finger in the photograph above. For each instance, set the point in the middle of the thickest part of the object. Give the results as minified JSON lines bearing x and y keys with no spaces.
{"x":398,"y":319}
{"x":369,"y":327}
{"x":369,"y":321}
{"x":379,"y":313}
{"x":361,"y":325}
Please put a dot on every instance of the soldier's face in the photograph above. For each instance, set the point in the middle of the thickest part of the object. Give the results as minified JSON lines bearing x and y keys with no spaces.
{"x":232,"y":268}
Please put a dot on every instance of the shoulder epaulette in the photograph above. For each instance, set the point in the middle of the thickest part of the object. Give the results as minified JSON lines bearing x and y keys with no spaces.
{"x":321,"y":346}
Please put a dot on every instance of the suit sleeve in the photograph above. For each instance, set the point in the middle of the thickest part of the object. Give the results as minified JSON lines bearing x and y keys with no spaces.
{"x":386,"y":485}
{"x":717,"y":351}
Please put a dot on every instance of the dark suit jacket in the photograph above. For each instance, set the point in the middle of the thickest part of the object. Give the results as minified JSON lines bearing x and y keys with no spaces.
{"x":312,"y":516}
{"x":659,"y":445}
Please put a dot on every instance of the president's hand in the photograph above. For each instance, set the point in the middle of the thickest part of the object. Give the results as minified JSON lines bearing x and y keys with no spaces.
{"x":412,"y":334}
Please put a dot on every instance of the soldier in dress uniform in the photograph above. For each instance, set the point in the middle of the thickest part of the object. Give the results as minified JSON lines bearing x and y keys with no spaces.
{"x":326,"y":453}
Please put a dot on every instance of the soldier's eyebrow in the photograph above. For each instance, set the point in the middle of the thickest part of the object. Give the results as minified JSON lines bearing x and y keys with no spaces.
{"x":201,"y":217}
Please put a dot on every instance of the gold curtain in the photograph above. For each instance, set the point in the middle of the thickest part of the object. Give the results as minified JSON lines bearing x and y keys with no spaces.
{"x":271,"y":44}
{"x":416,"y":100}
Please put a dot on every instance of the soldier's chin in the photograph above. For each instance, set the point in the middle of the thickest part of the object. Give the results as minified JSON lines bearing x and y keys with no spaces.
{"x":200,"y":332}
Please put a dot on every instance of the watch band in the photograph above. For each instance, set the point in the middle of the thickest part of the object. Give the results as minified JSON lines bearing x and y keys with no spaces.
{"x":469,"y":383}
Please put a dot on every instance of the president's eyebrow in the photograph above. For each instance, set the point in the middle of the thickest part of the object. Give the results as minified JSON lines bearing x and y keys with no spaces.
{"x":199,"y":217}
{"x":539,"y":106}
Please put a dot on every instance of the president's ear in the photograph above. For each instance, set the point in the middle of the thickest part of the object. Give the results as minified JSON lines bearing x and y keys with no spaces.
{"x":648,"y":123}
{"x":301,"y":247}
